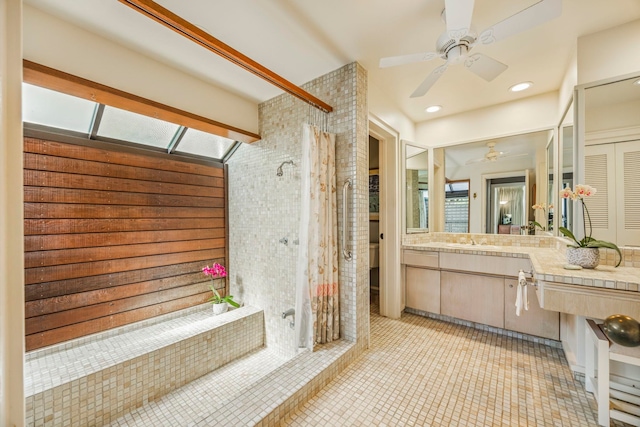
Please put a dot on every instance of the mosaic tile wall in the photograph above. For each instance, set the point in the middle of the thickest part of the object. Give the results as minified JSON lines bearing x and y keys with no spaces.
{"x":264,"y":209}
{"x":100,"y":380}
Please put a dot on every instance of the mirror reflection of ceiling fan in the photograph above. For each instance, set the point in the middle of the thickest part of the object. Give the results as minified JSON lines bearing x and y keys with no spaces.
{"x":493,"y":155}
{"x":456,"y":43}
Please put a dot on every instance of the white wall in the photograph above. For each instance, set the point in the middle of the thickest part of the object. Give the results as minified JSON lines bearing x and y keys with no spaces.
{"x":615,"y":116}
{"x":11,"y":217}
{"x":522,"y":116}
{"x":609,"y":53}
{"x":63,"y":46}
{"x":569,"y":81}
{"x":383,"y":108}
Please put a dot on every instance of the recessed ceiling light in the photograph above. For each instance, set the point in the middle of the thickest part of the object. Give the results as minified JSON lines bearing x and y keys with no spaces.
{"x":520,"y":87}
{"x":433,"y":109}
{"x":637,"y":82}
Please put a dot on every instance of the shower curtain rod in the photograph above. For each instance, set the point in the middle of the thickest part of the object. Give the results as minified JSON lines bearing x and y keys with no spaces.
{"x":186,"y":29}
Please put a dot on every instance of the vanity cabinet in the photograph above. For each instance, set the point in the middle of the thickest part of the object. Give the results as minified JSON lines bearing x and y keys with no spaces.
{"x":423,"y":289}
{"x":535,"y":321}
{"x":476,"y":288}
{"x":472,"y":297}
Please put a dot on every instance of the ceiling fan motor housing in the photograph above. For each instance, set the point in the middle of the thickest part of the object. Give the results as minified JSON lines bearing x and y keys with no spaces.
{"x":454,"y":51}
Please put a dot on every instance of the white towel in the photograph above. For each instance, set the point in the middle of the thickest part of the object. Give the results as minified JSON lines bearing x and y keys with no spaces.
{"x":522,"y":300}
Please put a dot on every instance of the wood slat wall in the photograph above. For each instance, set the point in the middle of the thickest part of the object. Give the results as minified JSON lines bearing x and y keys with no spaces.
{"x":112,"y":238}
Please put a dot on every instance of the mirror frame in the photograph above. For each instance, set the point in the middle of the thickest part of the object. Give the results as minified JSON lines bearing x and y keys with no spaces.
{"x":403,"y":179}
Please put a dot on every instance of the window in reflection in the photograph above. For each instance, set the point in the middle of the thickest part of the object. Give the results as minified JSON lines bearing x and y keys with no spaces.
{"x":456,"y":207}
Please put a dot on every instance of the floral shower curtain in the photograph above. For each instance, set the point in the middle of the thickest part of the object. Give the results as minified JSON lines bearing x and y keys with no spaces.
{"x":514,"y":206}
{"x":317,"y":308}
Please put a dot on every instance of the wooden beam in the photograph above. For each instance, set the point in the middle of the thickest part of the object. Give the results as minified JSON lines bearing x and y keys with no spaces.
{"x":185,"y":28}
{"x":60,"y":81}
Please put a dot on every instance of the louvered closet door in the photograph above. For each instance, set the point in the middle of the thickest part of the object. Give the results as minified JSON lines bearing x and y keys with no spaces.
{"x":600,"y":172}
{"x":628,"y":192}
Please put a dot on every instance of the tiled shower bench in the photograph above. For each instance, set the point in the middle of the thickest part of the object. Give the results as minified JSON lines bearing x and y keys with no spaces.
{"x":182,"y":369}
{"x":94,"y":380}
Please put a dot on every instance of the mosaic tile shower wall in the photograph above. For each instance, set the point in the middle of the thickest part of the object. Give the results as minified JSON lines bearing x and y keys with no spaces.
{"x":264,"y":209}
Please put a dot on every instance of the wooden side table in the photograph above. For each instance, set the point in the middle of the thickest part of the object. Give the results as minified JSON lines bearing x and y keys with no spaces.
{"x":615,"y":399}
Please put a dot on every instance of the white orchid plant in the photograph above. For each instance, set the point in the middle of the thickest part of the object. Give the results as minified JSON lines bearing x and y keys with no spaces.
{"x":543,"y":207}
{"x":580,"y":192}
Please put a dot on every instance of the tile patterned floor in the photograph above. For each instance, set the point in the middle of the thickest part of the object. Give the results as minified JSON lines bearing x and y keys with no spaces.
{"x":425,"y":372}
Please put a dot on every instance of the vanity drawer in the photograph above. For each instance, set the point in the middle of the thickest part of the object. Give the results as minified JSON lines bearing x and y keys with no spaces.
{"x":420,"y":258}
{"x":497,"y":265}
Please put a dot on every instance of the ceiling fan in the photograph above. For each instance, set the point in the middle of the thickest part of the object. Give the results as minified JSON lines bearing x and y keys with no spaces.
{"x":455,"y":44}
{"x":492,"y":155}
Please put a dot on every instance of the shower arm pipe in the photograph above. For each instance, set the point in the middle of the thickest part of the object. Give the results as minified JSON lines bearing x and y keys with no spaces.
{"x":163,"y":16}
{"x":345,"y":223}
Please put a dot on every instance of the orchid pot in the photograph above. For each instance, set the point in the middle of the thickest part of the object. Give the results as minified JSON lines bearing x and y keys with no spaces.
{"x":220,"y":308}
{"x":584,"y":257}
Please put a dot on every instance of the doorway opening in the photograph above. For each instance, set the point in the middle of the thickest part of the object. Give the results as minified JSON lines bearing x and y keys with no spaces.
{"x":507,"y":205}
{"x":374,"y":221}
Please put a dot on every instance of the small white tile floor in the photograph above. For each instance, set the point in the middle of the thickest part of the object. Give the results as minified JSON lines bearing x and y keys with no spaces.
{"x":425,"y":372}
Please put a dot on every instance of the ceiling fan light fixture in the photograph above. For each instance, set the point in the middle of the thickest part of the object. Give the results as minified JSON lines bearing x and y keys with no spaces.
{"x":433,"y":109}
{"x":520,"y":87}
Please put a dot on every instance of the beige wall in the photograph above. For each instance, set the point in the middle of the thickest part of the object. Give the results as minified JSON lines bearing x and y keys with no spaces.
{"x":609,"y":53}
{"x":383,"y":108}
{"x":569,"y":81}
{"x":58,"y":44}
{"x":522,"y":116}
{"x":11,"y":217}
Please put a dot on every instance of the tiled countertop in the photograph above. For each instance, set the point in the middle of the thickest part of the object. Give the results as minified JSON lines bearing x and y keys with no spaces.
{"x":547,"y":264}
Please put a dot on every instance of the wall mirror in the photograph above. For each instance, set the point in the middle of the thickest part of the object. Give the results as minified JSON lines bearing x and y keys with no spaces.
{"x":566,"y":161}
{"x":495,"y":178}
{"x":612,"y":158}
{"x":416,"y":193}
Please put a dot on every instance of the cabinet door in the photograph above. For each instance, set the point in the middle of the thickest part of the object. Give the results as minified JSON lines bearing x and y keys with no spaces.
{"x":535,"y":321}
{"x":472,"y":297}
{"x":628,"y":193}
{"x":423,"y":289}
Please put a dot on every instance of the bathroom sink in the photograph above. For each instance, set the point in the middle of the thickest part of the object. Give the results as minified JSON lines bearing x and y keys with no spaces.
{"x":471,"y":246}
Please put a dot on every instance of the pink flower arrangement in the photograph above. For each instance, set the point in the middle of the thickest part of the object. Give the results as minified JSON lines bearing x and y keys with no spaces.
{"x":579,"y":192}
{"x":217,"y":270}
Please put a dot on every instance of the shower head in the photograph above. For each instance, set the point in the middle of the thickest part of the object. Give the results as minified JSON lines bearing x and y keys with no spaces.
{"x":279,"y":170}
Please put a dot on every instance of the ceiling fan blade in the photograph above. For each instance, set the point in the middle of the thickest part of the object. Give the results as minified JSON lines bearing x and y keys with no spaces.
{"x":458,"y":15}
{"x":429,"y":81}
{"x":472,"y":161}
{"x":392,"y":61}
{"x":513,"y":156}
{"x":542,"y":11}
{"x":485,"y":66}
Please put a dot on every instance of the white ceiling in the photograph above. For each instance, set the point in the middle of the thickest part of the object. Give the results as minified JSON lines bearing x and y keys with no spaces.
{"x":302,"y":40}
